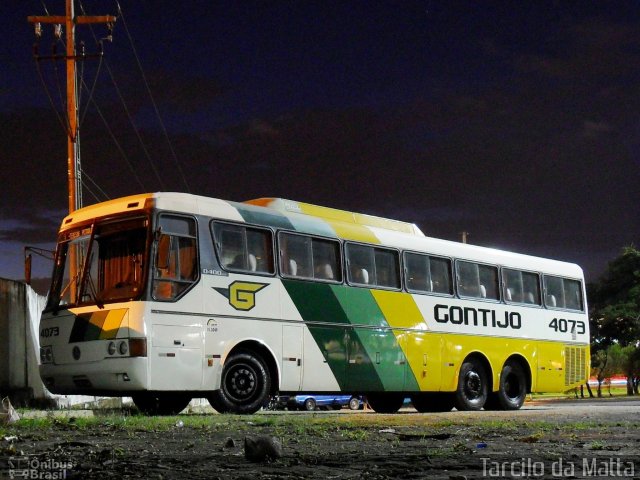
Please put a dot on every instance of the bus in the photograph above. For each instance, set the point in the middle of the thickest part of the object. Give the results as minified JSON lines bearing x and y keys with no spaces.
{"x":165,"y":297}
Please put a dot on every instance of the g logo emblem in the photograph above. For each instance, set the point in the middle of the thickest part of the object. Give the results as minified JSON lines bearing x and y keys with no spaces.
{"x":242,"y":295}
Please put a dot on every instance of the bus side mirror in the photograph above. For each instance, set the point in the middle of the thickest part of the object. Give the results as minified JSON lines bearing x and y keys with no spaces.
{"x":27,"y":269}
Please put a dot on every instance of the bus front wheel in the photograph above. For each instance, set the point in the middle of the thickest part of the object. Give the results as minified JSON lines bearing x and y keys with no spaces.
{"x":160,"y":403}
{"x":473,"y":385}
{"x":245,"y":383}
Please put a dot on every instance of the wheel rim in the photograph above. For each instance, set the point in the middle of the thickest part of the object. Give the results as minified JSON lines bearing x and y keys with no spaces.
{"x":473,"y":385}
{"x":241,"y":382}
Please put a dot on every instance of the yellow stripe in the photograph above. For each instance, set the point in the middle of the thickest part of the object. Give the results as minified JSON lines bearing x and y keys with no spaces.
{"x":112,"y":323}
{"x":435,"y":358}
{"x":343,"y":223}
{"x":399,"y":309}
{"x":420,"y":349}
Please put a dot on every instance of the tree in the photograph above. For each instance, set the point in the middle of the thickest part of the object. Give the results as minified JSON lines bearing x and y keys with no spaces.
{"x":615,"y":314}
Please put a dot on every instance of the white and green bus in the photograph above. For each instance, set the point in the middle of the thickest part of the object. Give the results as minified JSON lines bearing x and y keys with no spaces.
{"x":167,"y":296}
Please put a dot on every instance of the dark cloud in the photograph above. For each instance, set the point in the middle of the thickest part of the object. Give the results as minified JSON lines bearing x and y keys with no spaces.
{"x":519,"y":125}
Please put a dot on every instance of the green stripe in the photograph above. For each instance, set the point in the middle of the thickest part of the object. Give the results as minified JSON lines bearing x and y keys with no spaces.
{"x":363,"y":358}
{"x":316,"y":303}
{"x":380,"y":344}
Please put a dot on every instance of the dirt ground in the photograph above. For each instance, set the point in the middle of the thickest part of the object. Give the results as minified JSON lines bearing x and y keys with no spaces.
{"x":570,"y":439}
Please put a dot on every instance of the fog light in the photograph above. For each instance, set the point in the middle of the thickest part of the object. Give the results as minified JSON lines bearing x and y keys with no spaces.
{"x":123,"y":348}
{"x":111,"y":348}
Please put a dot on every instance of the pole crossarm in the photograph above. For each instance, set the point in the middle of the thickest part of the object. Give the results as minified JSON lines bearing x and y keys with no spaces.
{"x":70,"y":21}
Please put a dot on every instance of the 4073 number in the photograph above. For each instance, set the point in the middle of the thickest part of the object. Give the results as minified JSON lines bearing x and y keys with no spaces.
{"x":563,"y":325}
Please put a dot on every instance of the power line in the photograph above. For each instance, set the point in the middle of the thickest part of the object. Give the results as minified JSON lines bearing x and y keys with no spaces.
{"x":129,"y":117}
{"x":155,"y":106}
{"x":104,"y":194}
{"x":117,"y":144}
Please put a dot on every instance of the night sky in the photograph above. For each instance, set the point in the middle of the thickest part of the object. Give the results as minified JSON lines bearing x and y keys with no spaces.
{"x":518,"y":122}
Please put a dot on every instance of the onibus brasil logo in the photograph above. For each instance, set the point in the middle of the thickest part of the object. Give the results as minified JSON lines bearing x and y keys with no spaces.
{"x":241,"y":295}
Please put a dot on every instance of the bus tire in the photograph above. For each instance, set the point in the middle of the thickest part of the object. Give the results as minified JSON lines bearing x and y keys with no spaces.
{"x":385,"y":402}
{"x":433,"y":402}
{"x":160,"y":403}
{"x":215,"y":400}
{"x":473,"y":386}
{"x":245,"y":383}
{"x":513,"y":387}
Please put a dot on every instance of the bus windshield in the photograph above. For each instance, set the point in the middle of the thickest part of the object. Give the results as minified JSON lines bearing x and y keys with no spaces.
{"x":101,"y":263}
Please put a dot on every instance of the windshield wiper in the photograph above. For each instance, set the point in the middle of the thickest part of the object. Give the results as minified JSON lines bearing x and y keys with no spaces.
{"x":86,"y":276}
{"x":93,"y":291}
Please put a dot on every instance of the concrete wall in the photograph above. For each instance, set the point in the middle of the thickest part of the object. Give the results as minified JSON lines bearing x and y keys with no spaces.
{"x":20,"y":308}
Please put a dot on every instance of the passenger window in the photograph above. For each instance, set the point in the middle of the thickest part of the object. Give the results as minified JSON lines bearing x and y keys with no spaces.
{"x":244,"y":249}
{"x":563,"y":293}
{"x":428,"y":274}
{"x":387,"y":268}
{"x":326,"y":260}
{"x":554,"y":292}
{"x":418,"y":274}
{"x":441,"y":275}
{"x":361,"y":264}
{"x":295,"y":255}
{"x":573,"y":294}
{"x":176,"y":258}
{"x":521,"y":287}
{"x":477,"y":281}
{"x":373,"y":266}
{"x":309,"y":257}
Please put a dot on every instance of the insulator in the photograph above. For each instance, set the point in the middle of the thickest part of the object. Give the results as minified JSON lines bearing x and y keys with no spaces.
{"x":57,"y":31}
{"x":38,"y":29}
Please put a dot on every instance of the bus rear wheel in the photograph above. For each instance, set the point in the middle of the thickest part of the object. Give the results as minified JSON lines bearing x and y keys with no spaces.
{"x":433,"y":402}
{"x":513,"y":387}
{"x":161,"y":403}
{"x":473,"y":385}
{"x":385,"y":402}
{"x":245,"y":383}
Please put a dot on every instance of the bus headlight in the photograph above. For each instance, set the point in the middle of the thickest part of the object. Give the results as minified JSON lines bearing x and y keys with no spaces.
{"x":123,"y":348}
{"x":111,"y":348}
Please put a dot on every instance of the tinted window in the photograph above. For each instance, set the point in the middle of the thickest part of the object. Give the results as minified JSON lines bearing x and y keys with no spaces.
{"x":477,"y":281}
{"x":309,"y":257}
{"x":244,"y":249}
{"x":176,"y":257}
{"x":563,"y":293}
{"x":428,"y":274}
{"x":373,"y":266}
{"x":521,"y":287}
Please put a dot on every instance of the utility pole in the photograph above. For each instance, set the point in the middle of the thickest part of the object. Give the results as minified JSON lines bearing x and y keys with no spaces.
{"x":70,"y":20}
{"x":464,"y":236}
